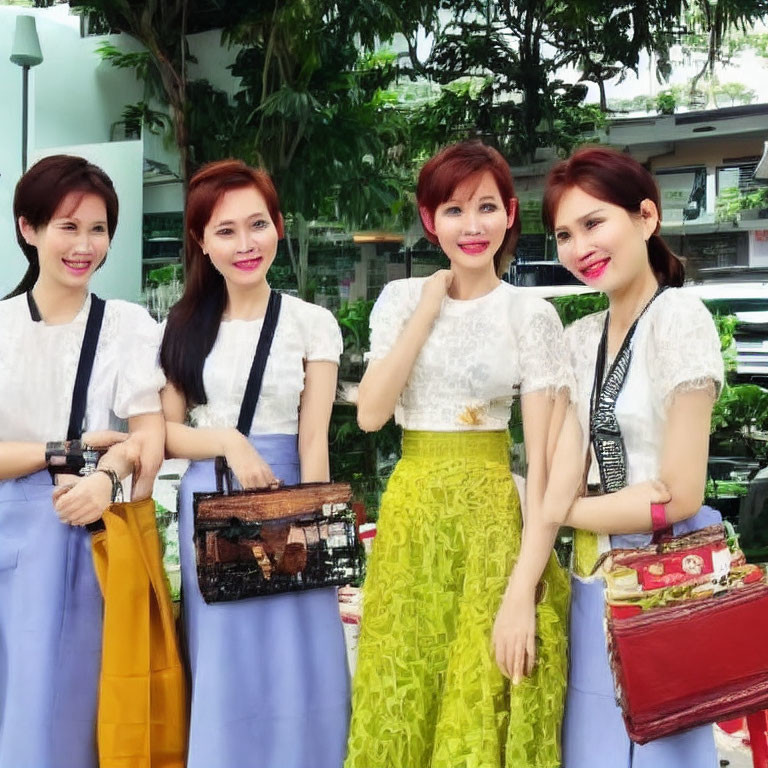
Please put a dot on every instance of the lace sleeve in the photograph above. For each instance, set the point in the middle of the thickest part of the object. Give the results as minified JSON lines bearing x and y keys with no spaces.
{"x":544,"y":359}
{"x":388,"y":317}
{"x":684,"y":353}
{"x":140,"y":377}
{"x":323,"y":335}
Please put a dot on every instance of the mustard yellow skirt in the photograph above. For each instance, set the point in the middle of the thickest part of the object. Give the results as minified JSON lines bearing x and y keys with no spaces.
{"x":427,"y":692}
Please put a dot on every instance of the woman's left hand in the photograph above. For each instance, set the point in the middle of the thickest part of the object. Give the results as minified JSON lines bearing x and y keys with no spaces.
{"x":82,"y":500}
{"x":514,"y":634}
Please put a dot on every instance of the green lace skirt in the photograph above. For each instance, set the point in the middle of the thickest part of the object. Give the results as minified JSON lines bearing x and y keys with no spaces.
{"x":427,"y":692}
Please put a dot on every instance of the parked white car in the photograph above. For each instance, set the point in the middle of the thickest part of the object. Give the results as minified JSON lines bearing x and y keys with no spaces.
{"x":748,"y":301}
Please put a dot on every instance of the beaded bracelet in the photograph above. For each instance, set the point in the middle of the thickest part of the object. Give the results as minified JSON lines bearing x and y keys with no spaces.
{"x":117,"y":486}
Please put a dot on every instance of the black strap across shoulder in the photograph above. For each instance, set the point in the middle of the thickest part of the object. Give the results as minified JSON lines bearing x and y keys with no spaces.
{"x":605,"y":432}
{"x":85,"y":367}
{"x":256,"y":376}
{"x":83,"y":375}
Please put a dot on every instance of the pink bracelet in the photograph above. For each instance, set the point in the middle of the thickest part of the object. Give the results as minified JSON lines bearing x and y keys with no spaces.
{"x":659,"y":517}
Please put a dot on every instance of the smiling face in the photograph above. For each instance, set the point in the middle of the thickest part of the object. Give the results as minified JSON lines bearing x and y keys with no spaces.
{"x":471,"y":225}
{"x":74,"y":243}
{"x":240,"y":238}
{"x":602,"y":244}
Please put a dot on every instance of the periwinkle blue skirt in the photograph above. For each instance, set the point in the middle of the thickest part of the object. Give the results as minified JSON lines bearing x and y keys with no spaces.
{"x":50,"y":633}
{"x":270,"y":686}
{"x":594,"y":735}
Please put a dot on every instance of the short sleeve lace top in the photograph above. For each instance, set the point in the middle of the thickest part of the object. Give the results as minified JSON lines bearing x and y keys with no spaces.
{"x":38,"y":363}
{"x":305,"y":333}
{"x":480,"y":354}
{"x":675,"y":348}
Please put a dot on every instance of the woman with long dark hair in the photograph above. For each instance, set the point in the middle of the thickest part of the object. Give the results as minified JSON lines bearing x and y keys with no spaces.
{"x":65,"y":210}
{"x":269,"y":679}
{"x":648,"y":372}
{"x":435,"y":686}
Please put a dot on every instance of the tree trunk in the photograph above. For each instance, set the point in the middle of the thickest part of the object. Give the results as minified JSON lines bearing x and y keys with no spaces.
{"x":302,"y":232}
{"x":300,"y":260}
{"x":603,"y":99}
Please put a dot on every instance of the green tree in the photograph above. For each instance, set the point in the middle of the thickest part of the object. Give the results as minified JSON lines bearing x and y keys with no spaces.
{"x":315,"y":112}
{"x":520,"y":46}
{"x":712,"y":26}
{"x":162,"y":27}
{"x":736,"y":92}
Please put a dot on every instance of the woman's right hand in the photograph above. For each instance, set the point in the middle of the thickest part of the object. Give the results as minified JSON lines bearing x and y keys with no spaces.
{"x":245,"y":462}
{"x":435,"y":289}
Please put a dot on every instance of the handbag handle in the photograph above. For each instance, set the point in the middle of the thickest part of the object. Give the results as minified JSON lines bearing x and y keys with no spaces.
{"x":225,"y":480}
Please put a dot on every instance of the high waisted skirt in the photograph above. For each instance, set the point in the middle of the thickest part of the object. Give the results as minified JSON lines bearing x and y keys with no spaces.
{"x":594,"y":735}
{"x":270,"y":686}
{"x":427,"y":692}
{"x":50,"y":633}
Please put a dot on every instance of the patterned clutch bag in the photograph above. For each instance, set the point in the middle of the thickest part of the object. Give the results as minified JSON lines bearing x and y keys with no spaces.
{"x":686,"y":621}
{"x":265,"y":542}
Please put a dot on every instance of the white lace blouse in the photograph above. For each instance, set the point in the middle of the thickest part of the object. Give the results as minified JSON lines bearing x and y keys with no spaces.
{"x":480,"y":354}
{"x":305,"y":333}
{"x":38,"y":363}
{"x":675,"y":347}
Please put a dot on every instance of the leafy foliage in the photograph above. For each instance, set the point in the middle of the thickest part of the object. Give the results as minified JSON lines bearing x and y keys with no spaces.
{"x":362,"y":459}
{"x":740,"y":420}
{"x":710,"y":26}
{"x":517,"y":48}
{"x":731,"y":201}
{"x":666,"y":102}
{"x":353,"y":317}
{"x":578,"y":305}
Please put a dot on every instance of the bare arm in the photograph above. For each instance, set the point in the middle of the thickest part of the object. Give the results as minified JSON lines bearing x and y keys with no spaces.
{"x":148,"y":430}
{"x":196,"y":443}
{"x":78,"y":501}
{"x":682,"y":475}
{"x":314,"y":418}
{"x":184,"y":442}
{"x":556,"y":423}
{"x":514,"y":633}
{"x":19,"y":459}
{"x":386,"y":378}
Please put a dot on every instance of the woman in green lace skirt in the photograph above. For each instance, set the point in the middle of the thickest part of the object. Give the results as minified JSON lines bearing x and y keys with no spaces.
{"x":441,"y":681}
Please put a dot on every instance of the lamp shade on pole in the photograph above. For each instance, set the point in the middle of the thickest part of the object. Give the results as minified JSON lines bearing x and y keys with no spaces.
{"x":26,"y":45}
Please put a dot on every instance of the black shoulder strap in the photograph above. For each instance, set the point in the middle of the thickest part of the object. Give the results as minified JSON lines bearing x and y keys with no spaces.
{"x":605,"y":432}
{"x":84,"y":367}
{"x":256,"y":376}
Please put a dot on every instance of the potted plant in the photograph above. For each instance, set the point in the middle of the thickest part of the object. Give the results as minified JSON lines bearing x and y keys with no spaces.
{"x":353,"y":318}
{"x":754,"y":205}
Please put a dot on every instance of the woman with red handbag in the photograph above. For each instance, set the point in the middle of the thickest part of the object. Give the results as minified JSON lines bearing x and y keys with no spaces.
{"x":269,"y":679}
{"x":52,"y":329}
{"x":448,"y":356}
{"x":648,"y":372}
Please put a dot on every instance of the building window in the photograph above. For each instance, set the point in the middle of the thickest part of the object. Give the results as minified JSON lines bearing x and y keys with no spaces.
{"x":683,"y":192}
{"x":739,"y":174}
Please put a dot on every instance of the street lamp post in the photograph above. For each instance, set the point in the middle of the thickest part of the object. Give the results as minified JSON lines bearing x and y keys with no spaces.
{"x":26,"y":53}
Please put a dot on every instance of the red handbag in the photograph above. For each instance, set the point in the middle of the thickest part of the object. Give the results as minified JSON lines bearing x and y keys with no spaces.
{"x":687,"y":624}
